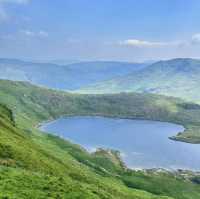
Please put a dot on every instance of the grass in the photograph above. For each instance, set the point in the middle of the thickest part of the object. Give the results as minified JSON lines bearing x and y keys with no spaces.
{"x":46,"y":166}
{"x":31,"y":105}
{"x":38,"y":165}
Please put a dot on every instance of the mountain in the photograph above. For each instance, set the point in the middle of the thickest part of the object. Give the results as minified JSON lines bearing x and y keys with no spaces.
{"x":177,"y":77}
{"x":62,"y":62}
{"x":37,"y":165}
{"x":68,"y":77}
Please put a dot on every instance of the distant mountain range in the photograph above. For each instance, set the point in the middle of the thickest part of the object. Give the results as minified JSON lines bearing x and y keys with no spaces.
{"x":177,"y":77}
{"x":65,"y":77}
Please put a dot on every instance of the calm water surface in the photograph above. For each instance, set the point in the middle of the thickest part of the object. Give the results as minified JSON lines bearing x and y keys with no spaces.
{"x":143,"y":144}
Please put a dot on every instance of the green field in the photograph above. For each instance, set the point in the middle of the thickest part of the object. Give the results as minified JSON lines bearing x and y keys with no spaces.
{"x":37,"y":165}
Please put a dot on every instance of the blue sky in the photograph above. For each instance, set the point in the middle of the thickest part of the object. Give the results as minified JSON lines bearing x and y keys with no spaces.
{"x":126,"y":30}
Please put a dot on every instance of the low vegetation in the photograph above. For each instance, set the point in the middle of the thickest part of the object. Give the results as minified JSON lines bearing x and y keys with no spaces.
{"x":38,"y":165}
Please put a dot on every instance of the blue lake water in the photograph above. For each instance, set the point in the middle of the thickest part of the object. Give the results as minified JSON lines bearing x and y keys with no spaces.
{"x":143,"y":144}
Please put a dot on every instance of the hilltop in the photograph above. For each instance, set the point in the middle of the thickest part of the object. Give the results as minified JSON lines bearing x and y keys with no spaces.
{"x":177,"y":77}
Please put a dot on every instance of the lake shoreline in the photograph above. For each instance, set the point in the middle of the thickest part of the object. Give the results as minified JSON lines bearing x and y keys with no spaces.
{"x":120,"y":156}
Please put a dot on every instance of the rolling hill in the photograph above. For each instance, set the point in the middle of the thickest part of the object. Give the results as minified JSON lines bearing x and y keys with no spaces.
{"x":65,"y":77}
{"x":37,"y":165}
{"x":177,"y":77}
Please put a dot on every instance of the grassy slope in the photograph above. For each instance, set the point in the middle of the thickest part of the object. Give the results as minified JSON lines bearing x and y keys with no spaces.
{"x":178,"y":78}
{"x":44,"y":166}
{"x":36,"y":165}
{"x":43,"y":104}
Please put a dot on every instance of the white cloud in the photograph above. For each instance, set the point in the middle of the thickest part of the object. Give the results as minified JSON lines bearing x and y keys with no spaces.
{"x":3,"y":13}
{"x":30,"y":33}
{"x":43,"y":33}
{"x":15,"y":1}
{"x":146,"y":44}
{"x":196,"y":38}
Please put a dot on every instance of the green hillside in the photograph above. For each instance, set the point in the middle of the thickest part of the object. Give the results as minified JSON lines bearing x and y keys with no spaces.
{"x":177,"y":77}
{"x":38,"y":165}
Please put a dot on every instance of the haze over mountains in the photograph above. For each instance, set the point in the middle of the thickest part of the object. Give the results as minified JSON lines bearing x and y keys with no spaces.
{"x":177,"y":77}
{"x":66,"y":77}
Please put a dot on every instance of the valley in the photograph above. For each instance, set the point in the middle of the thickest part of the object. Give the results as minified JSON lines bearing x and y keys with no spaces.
{"x":46,"y":165}
{"x":99,"y":99}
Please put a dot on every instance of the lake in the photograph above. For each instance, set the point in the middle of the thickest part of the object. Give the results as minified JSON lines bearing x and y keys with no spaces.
{"x":143,"y":144}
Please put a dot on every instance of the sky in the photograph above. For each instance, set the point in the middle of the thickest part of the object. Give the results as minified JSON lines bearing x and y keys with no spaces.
{"x":123,"y":30}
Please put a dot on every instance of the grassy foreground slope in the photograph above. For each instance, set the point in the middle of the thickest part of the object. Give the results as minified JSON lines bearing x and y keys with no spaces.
{"x":34,"y":165}
{"x":37,"y":165}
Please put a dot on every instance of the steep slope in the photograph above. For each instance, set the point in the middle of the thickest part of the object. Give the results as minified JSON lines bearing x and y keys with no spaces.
{"x":37,"y":165}
{"x":40,"y":166}
{"x":177,"y":77}
{"x":67,"y":77}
